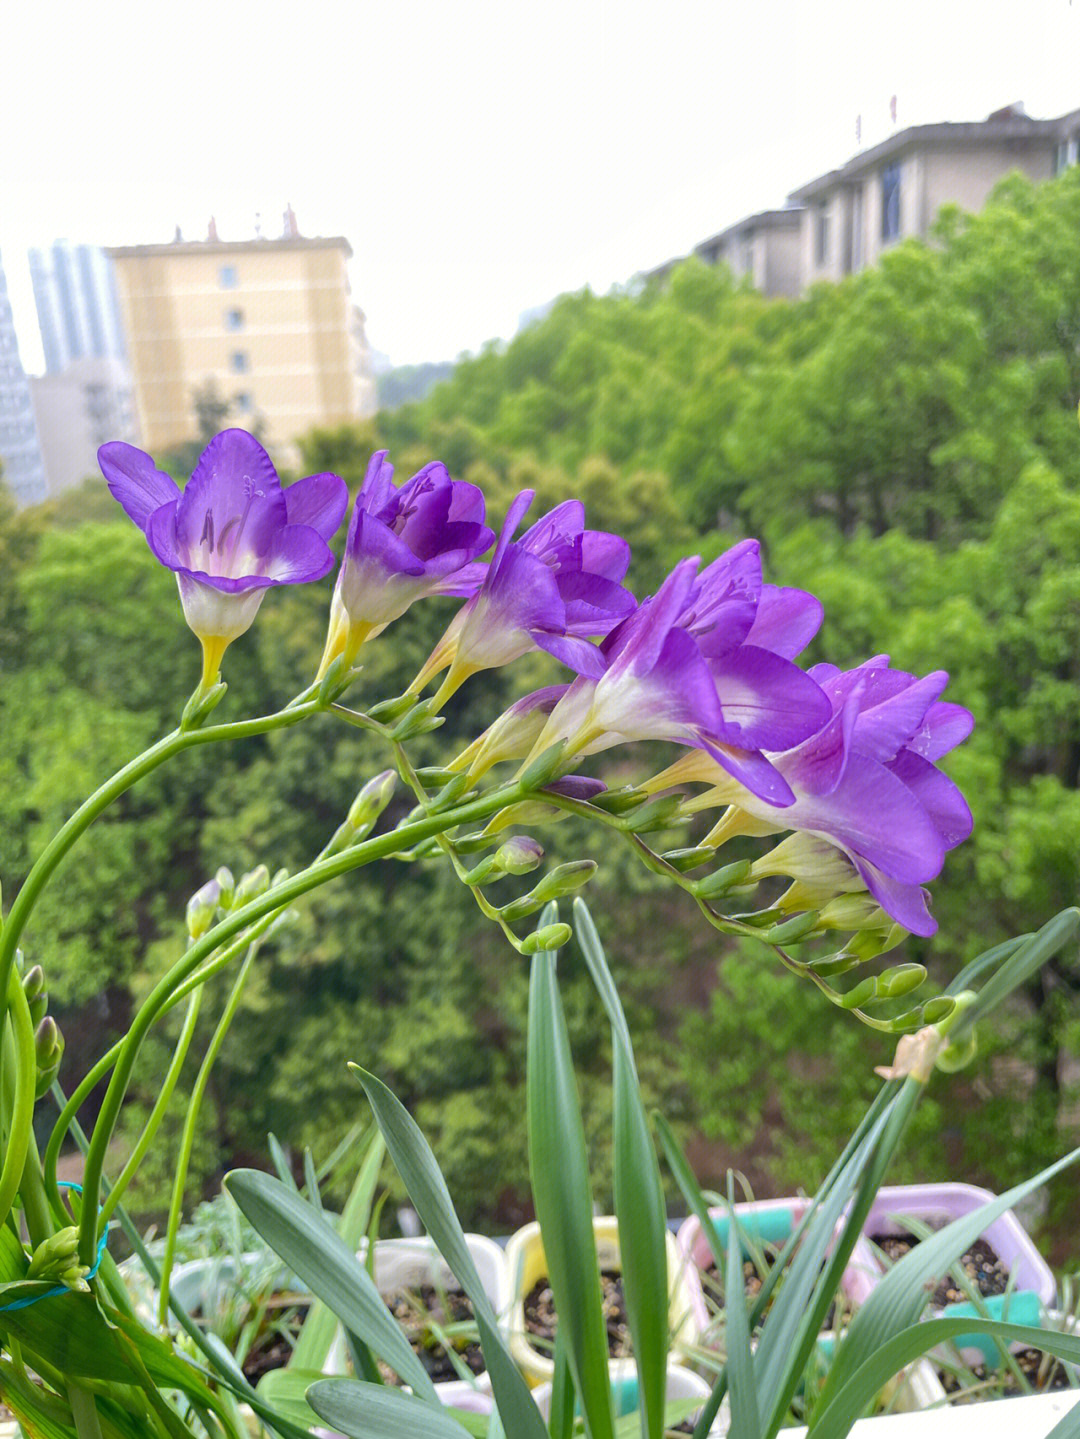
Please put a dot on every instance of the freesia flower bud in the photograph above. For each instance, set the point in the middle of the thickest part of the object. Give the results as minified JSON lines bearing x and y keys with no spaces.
{"x":959,"y":1054}
{"x":54,"y":1254}
{"x":861,"y":994}
{"x":791,"y":930}
{"x":938,"y":1008}
{"x":36,"y":994}
{"x":657,"y":814}
{"x":252,"y":884}
{"x":227,"y":886}
{"x":717,"y":884}
{"x":564,"y":879}
{"x":900,"y":980}
{"x":202,"y":906}
{"x":547,"y":939}
{"x":545,"y":767}
{"x":519,"y":855}
{"x":48,"y":1052}
{"x":619,"y":801}
{"x":370,"y":802}
{"x":687,"y":859}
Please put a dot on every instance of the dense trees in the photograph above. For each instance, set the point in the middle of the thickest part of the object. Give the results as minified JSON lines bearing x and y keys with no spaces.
{"x":906,"y":446}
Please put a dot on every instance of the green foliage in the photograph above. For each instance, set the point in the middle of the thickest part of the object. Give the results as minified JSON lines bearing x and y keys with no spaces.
{"x":906,"y":445}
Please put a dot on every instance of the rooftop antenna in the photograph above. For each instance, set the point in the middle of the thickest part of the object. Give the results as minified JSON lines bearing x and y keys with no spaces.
{"x":258,"y":224}
{"x":290,"y":229}
{"x":892,"y":109}
{"x":211,"y":230}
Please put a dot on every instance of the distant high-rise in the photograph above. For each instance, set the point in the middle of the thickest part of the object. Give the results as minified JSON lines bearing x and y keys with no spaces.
{"x":20,"y":452}
{"x":266,"y":325}
{"x":78,"y":310}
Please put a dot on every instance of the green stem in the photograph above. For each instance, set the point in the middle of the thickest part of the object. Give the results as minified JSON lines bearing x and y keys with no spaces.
{"x":157,"y":1114}
{"x":21,"y":1124}
{"x":404,"y":837}
{"x":191,"y":1120}
{"x":72,"y":1106}
{"x":102,"y":797}
{"x":84,"y":1412}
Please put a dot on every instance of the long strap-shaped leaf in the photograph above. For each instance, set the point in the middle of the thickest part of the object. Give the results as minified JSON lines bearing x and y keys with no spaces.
{"x":297,"y":1232}
{"x":558,"y":1166}
{"x":745,"y":1411}
{"x":900,"y":1297}
{"x":379,"y":1411}
{"x":427,"y":1189}
{"x":835,"y":1420}
{"x":639,"y":1196}
{"x":1020,"y":965}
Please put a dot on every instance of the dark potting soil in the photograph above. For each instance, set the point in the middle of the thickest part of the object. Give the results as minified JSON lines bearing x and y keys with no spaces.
{"x":423,"y":1310}
{"x":542,"y":1321}
{"x":753,"y":1279}
{"x":1042,"y":1371}
{"x":980,"y":1262}
{"x":274,"y":1343}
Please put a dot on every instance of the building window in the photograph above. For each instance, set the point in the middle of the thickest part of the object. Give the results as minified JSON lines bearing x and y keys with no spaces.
{"x":228,"y":278}
{"x":238,"y":362}
{"x":821,"y":235}
{"x":234,"y":319}
{"x":890,"y":202}
{"x":243,"y":402}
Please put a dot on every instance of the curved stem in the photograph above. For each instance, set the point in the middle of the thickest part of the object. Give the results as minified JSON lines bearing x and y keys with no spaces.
{"x":84,"y":1412}
{"x":102,"y":797}
{"x":404,"y":837}
{"x":157,"y":1113}
{"x":22,"y":1110}
{"x":187,"y":1142}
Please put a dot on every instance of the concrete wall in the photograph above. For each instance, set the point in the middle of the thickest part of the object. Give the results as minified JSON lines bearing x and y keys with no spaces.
{"x":82,"y":407}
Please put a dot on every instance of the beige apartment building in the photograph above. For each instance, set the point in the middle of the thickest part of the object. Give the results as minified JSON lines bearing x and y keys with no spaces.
{"x":894,"y":190}
{"x":765,"y":248}
{"x":268,"y":323}
{"x":841,"y":222}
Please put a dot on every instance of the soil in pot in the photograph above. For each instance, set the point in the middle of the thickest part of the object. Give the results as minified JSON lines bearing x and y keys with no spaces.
{"x":276,"y":1338}
{"x":980,"y":1262}
{"x":541,"y":1320}
{"x":424,"y":1311}
{"x":753,"y":1279}
{"x":1043,"y":1373}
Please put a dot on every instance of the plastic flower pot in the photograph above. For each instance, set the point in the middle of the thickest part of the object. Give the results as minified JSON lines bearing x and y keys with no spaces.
{"x":980,"y":1349}
{"x":939,"y":1204}
{"x":408,"y":1264}
{"x":766,"y":1221}
{"x":681,"y":1384}
{"x":526,"y":1264}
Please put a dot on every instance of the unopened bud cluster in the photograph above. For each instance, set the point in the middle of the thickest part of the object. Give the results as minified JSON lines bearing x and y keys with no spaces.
{"x":57,"y":1259}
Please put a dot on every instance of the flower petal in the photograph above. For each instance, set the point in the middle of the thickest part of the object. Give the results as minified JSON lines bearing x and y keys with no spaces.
{"x":319,"y":501}
{"x":753,"y":771}
{"x":640,"y":638}
{"x":786,"y":620}
{"x":937,"y":794}
{"x":594,"y":605}
{"x":767,"y":702}
{"x":891,"y":713}
{"x":905,"y":902}
{"x":135,"y":481}
{"x":604,"y":554}
{"x":233,"y":505}
{"x":943,"y":727}
{"x":581,"y":656}
{"x":817,"y":765}
{"x":298,"y":554}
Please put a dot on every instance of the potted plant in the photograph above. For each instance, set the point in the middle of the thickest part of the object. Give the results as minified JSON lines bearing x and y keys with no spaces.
{"x":533,"y":1320}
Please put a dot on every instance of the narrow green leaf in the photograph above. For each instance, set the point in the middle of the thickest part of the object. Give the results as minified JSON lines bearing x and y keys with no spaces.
{"x":1019,"y":967}
{"x":281,"y":1163}
{"x":311,"y":1179}
{"x":561,"y":1420}
{"x":303,"y":1239}
{"x":835,"y":1420}
{"x":317,"y":1335}
{"x":378,"y":1411}
{"x":558,"y":1166}
{"x":427,"y":1189}
{"x":73,"y":1332}
{"x":639,"y":1195}
{"x":745,"y":1410}
{"x":900,"y":1297}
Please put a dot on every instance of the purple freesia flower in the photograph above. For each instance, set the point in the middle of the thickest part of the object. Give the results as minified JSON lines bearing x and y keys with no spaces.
{"x":556,"y":588}
{"x":231,"y":534}
{"x":680,"y":669}
{"x":403,"y":544}
{"x":866,"y":782}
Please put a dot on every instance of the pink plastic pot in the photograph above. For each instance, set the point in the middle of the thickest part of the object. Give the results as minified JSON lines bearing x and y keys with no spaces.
{"x":768,"y":1221}
{"x":940,"y":1204}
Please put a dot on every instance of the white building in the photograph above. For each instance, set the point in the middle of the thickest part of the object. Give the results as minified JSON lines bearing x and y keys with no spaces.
{"x":20,"y":453}
{"x":90,"y":402}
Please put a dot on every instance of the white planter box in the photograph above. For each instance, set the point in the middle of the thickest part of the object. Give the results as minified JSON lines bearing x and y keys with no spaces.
{"x":681,"y":1384}
{"x":1032,"y":1417}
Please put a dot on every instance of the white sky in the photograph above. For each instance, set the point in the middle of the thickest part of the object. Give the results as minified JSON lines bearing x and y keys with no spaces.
{"x":479,"y":157}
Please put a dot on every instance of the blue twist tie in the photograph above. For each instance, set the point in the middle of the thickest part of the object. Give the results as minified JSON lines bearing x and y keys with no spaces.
{"x":62,"y":1288}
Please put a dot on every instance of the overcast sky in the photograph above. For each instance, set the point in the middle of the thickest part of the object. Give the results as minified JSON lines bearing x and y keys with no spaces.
{"x":479,"y":157}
